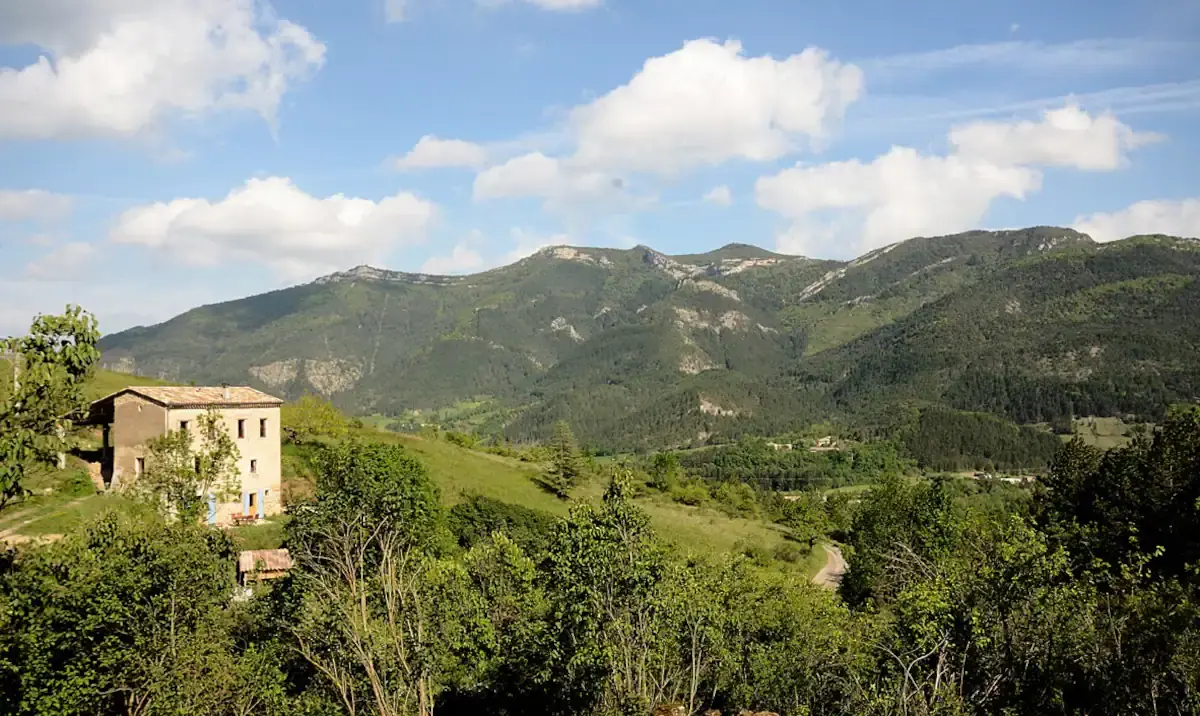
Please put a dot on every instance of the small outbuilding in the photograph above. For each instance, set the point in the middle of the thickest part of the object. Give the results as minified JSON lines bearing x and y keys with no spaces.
{"x":263,"y":564}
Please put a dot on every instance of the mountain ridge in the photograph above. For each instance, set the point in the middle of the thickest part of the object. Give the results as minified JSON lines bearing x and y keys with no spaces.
{"x":666,"y":348}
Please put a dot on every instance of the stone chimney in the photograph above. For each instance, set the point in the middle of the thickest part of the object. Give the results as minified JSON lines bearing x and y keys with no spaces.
{"x":225,"y":391}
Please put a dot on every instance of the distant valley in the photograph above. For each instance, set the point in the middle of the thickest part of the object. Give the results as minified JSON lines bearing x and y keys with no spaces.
{"x":637,"y":348}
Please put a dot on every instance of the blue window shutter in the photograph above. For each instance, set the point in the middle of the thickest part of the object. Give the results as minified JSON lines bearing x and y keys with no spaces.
{"x":260,"y":504}
{"x":212,"y":509}
{"x":245,"y":503}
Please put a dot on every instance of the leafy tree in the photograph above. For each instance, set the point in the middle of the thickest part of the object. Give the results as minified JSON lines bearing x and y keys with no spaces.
{"x":184,"y":468}
{"x":122,"y":617}
{"x":600,"y":570}
{"x":385,"y":621}
{"x":665,"y":471}
{"x":52,"y":363}
{"x":807,"y":517}
{"x":312,"y":417}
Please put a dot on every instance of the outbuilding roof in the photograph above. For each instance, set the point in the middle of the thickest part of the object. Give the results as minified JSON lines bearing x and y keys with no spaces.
{"x":265,"y":560}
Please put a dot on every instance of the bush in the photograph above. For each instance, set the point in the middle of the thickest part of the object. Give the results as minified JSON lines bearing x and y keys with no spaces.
{"x":788,"y":552}
{"x":477,"y":517}
{"x":77,"y":483}
{"x":692,"y":493}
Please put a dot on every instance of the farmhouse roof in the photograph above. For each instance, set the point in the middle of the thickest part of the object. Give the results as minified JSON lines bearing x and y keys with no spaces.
{"x":184,"y":396}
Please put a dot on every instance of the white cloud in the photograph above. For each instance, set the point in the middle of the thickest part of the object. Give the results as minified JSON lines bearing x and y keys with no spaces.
{"x":898,"y":195}
{"x":903,"y":193}
{"x":272,"y":222}
{"x":118,"y":68}
{"x":65,"y":263}
{"x":557,"y":181}
{"x":1173,"y":218}
{"x":1087,"y":55}
{"x":1065,"y":137}
{"x":707,"y":103}
{"x":431,"y":152}
{"x":395,"y":10}
{"x":461,"y":259}
{"x":33,"y":204}
{"x":720,"y":196}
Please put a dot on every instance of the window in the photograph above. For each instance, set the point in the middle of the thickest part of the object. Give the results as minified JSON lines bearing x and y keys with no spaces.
{"x":262,"y":427}
{"x":197,"y":464}
{"x":254,"y":466}
{"x":183,"y":425}
{"x":241,"y":428}
{"x":139,"y":466}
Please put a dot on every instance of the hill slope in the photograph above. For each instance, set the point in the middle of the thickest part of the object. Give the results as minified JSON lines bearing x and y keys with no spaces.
{"x":638,"y":348}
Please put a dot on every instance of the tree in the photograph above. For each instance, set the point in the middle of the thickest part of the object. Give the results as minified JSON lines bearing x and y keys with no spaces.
{"x":564,"y":459}
{"x":385,"y":620}
{"x":50,"y":367}
{"x":311,"y":417}
{"x":183,"y":469}
{"x":665,"y":471}
{"x":122,"y":617}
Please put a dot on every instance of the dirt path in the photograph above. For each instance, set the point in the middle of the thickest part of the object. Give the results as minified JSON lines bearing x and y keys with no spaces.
{"x":835,"y":566}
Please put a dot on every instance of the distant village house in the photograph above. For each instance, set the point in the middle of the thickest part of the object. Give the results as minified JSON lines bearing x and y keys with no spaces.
{"x":132,"y":417}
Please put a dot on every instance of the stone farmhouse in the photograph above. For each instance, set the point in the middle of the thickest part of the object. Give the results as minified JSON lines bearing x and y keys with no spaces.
{"x":130,"y":418}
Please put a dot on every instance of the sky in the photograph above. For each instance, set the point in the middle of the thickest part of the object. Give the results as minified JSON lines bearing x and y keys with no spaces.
{"x":158,"y":155}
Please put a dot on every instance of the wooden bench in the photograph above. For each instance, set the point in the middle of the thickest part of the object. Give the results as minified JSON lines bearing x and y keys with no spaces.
{"x":240,"y":520}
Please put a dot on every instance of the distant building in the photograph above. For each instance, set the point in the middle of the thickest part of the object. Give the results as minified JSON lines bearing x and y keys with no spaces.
{"x":132,"y":417}
{"x":780,"y":446}
{"x":263,"y":564}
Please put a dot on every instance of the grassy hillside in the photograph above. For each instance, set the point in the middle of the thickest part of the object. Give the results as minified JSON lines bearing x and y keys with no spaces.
{"x":461,"y":472}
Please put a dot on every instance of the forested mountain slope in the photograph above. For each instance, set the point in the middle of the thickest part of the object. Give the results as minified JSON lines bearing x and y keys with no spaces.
{"x":638,"y":348}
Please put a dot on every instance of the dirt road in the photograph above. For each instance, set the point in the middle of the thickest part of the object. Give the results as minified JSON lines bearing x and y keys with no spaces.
{"x":835,"y":566}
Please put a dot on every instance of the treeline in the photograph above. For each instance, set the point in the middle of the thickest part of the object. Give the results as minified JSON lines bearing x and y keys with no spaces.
{"x":755,"y":461}
{"x":942,"y":439}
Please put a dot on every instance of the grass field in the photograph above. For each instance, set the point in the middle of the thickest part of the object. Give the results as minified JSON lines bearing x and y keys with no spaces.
{"x":1104,"y":433}
{"x":459,"y":473}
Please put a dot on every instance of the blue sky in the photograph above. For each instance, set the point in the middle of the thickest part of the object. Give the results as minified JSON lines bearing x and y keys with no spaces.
{"x":156,"y":155}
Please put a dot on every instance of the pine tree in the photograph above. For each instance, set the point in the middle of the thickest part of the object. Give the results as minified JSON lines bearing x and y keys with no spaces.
{"x":564,"y":457}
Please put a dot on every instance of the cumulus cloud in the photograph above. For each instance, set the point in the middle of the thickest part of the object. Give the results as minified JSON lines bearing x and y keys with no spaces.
{"x":431,"y":152}
{"x":461,"y":259}
{"x":557,"y":181}
{"x":851,"y":206}
{"x":720,"y":196}
{"x":65,"y":263}
{"x":708,"y":103}
{"x":1065,"y":137}
{"x":118,"y":68}
{"x":33,"y":205}
{"x":272,"y":222}
{"x":1173,"y":218}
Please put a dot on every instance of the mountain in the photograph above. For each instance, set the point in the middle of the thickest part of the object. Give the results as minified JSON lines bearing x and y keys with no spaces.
{"x":637,"y":348}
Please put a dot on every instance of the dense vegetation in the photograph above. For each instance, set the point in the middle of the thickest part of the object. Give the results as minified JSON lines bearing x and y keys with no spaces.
{"x":1083,"y":600}
{"x":637,"y":350}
